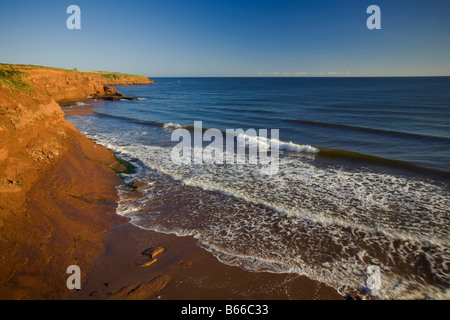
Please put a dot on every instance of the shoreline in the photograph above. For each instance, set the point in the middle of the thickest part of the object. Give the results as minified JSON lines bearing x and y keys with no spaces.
{"x":58,"y":208}
{"x":184,"y":271}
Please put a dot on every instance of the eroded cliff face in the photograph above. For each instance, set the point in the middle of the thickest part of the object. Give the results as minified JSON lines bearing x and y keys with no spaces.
{"x":57,"y":188}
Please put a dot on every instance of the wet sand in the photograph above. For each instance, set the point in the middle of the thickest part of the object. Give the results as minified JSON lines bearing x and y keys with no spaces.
{"x":183,"y":271}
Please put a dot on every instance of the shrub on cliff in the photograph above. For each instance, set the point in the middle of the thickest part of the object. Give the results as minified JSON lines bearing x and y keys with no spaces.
{"x":14,"y":79}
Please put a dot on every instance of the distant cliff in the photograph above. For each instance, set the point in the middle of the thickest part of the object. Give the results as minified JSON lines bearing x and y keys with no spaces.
{"x":57,"y":188}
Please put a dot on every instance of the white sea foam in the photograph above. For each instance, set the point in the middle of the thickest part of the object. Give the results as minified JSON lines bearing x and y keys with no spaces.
{"x":266,"y":144}
{"x":329,"y":224}
{"x":326,"y":190}
{"x":263,"y":143}
{"x":172,"y":126}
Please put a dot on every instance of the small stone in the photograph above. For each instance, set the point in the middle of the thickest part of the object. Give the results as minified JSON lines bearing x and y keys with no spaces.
{"x":152,"y":252}
{"x":93,"y":293}
{"x":185,"y":264}
{"x":147,"y":263}
{"x":137,"y":185}
{"x":352,"y":297}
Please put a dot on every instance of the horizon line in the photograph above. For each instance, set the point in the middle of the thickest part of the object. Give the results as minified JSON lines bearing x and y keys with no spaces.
{"x":299,"y":77}
{"x":324,"y":75}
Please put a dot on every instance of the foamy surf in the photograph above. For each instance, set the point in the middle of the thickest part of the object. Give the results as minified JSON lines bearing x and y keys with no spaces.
{"x":172,"y":126}
{"x":260,"y":142}
{"x":266,"y":144}
{"x":327,"y":224}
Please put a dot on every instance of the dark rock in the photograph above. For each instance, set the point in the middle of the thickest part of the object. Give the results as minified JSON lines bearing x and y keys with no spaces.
{"x":93,"y":293}
{"x":129,"y":98}
{"x":352,"y":297}
{"x":116,"y":98}
{"x":137,"y":185}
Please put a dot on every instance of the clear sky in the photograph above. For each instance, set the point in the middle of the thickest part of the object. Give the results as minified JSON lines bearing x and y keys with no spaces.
{"x":230,"y":37}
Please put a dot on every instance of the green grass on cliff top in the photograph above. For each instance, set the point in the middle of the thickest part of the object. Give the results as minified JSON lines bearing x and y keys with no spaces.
{"x":24,"y":66}
{"x":104,"y":74}
{"x":112,"y":75}
{"x":15,"y":79}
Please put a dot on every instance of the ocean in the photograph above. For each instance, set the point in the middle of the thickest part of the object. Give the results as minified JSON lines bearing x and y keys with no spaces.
{"x":362,"y":180}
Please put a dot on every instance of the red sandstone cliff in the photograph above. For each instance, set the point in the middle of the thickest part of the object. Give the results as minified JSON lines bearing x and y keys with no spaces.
{"x":57,"y":191}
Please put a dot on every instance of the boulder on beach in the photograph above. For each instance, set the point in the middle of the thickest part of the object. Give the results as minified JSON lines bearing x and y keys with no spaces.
{"x":152,"y":252}
{"x":147,"y":263}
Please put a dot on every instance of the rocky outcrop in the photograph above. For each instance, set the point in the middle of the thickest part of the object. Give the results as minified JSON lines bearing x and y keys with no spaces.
{"x":57,"y":188}
{"x":112,"y":94}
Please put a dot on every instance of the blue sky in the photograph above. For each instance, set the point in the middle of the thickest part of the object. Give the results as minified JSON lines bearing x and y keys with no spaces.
{"x":231,"y":38}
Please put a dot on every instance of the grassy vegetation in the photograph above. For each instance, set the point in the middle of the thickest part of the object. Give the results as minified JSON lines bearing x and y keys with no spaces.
{"x":15,"y":79}
{"x":25,"y":66}
{"x":112,"y":76}
{"x":14,"y":76}
{"x":129,"y":168}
